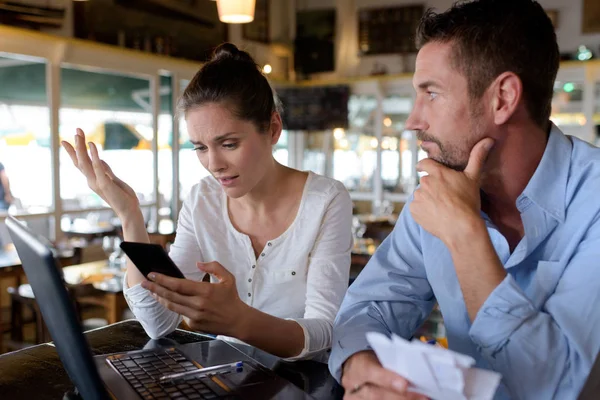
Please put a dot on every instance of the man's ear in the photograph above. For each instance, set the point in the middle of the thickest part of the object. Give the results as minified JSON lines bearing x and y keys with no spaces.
{"x":506,"y":94}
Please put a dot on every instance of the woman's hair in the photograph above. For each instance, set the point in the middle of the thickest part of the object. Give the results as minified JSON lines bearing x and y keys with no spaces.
{"x":232,"y":78}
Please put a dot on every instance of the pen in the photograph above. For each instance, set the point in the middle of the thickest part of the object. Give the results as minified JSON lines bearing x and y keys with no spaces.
{"x":202,"y":371}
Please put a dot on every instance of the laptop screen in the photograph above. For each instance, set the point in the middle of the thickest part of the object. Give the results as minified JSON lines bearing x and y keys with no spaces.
{"x":57,"y":309}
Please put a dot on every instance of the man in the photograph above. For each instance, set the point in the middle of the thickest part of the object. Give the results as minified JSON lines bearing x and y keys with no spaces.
{"x":503,"y":232}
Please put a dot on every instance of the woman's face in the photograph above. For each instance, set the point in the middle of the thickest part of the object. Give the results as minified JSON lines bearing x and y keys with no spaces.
{"x":232,"y":150}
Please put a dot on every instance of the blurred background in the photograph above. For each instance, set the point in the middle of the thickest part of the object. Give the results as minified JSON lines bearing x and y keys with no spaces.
{"x":115,"y":68}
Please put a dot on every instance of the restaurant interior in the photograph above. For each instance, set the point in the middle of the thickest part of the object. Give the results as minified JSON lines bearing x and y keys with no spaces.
{"x":116,"y":68}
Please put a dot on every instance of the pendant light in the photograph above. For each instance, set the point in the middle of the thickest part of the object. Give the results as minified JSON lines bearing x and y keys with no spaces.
{"x":236,"y":11}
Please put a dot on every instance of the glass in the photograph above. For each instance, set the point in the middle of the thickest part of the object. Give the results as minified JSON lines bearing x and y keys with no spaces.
{"x":108,"y":245}
{"x":25,"y":134}
{"x":115,"y":113}
{"x":358,"y":227}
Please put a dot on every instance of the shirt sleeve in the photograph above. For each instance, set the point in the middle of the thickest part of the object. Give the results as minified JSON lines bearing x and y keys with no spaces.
{"x":519,"y":338}
{"x":157,"y":320}
{"x":391,"y":294}
{"x":328,"y":274}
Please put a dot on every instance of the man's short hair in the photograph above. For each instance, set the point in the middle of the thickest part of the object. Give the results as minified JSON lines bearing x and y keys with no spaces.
{"x":495,"y":36}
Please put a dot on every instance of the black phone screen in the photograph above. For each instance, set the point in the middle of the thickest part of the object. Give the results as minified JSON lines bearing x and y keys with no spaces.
{"x":149,"y":257}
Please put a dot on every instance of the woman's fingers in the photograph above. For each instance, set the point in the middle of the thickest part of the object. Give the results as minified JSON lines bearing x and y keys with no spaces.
{"x":125,"y":187}
{"x":194,"y":304}
{"x":103,"y":181}
{"x":84,"y":162}
{"x":71,"y":152}
{"x":110,"y":191}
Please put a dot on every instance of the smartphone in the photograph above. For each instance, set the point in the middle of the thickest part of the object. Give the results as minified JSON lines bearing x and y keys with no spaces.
{"x":149,"y":257}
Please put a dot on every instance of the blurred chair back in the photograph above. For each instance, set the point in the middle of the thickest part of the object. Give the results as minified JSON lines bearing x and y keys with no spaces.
{"x":378,"y":230}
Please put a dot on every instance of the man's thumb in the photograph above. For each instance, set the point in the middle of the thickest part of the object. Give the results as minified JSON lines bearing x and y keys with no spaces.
{"x":479,"y":154}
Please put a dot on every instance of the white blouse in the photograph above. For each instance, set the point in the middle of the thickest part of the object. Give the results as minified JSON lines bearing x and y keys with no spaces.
{"x":302,"y":275}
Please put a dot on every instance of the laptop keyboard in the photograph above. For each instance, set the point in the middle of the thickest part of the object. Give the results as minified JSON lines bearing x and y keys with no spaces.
{"x":143,"y":369}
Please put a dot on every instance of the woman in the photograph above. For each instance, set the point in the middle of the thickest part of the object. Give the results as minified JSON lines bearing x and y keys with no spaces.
{"x":275,"y":241}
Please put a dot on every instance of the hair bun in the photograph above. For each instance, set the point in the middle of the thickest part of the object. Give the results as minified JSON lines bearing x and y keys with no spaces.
{"x":230,"y":51}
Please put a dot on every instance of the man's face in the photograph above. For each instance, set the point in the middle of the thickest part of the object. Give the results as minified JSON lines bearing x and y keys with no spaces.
{"x":447,"y":122}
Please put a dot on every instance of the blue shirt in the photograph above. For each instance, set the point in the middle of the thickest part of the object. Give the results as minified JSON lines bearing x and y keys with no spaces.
{"x":540,"y":328}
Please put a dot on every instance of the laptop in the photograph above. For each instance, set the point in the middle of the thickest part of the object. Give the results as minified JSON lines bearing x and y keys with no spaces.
{"x":136,"y":374}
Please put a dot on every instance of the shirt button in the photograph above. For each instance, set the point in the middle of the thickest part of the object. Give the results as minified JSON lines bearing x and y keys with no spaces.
{"x":250,"y":280}
{"x":293,"y":272}
{"x":262,"y":255}
{"x":254,"y":266}
{"x":269,"y":244}
{"x":249,"y":294}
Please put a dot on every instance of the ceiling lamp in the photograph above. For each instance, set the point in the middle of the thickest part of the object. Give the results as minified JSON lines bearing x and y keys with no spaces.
{"x":236,"y":11}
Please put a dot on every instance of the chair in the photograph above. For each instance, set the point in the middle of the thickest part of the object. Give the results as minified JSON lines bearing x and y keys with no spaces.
{"x":165,"y":240}
{"x":23,"y":299}
{"x":378,"y":230}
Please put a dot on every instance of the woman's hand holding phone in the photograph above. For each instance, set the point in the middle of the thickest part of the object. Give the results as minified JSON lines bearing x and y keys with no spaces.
{"x":207,"y":307}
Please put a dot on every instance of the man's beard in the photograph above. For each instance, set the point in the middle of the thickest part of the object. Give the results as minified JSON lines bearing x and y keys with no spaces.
{"x":456,"y":155}
{"x":450,"y":155}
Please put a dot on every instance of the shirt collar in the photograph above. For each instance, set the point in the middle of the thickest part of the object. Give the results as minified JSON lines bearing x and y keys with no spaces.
{"x":548,"y":185}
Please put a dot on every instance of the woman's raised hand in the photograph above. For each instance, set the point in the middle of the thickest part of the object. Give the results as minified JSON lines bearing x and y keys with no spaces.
{"x":100,"y":178}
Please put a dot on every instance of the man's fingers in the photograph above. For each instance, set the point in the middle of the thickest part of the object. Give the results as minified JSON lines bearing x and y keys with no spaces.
{"x":374,"y":392}
{"x":364,"y":369}
{"x":479,"y":154}
{"x":387,"y":379}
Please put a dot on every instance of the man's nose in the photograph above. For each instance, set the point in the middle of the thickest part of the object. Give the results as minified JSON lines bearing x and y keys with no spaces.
{"x":416,"y":121}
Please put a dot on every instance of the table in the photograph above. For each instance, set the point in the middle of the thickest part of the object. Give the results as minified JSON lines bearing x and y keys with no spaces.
{"x":96,"y":272}
{"x":37,"y":373}
{"x":10,"y":267}
{"x":90,"y":233}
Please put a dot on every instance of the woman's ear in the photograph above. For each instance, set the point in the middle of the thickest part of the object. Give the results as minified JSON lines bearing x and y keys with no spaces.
{"x":275,"y":128}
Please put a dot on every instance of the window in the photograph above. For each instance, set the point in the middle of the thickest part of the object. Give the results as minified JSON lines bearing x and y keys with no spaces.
{"x":315,"y":152}
{"x":114,"y":111}
{"x":25,"y":133}
{"x":281,"y":149}
{"x":165,"y":151}
{"x":354,"y":160}
{"x":398,"y":146}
